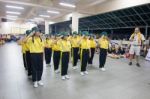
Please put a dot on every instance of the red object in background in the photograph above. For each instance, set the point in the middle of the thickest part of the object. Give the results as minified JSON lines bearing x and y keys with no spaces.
{"x":128,"y":55}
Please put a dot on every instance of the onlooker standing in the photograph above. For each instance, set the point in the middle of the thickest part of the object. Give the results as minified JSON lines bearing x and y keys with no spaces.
{"x":136,"y":39}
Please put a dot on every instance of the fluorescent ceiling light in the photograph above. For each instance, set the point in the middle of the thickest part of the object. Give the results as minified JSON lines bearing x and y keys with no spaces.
{"x":14,"y":7}
{"x":46,"y":16}
{"x":67,"y":5}
{"x":37,"y":18}
{"x":51,"y":22}
{"x":54,"y":12}
{"x":11,"y":16}
{"x":11,"y":12}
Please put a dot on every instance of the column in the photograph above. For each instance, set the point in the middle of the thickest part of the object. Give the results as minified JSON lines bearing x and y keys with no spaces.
{"x":47,"y":27}
{"x":75,"y":22}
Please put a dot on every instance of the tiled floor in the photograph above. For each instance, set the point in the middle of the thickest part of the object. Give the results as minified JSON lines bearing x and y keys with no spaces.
{"x":120,"y":81}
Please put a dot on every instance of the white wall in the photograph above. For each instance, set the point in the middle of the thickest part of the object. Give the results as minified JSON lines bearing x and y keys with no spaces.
{"x":67,"y":17}
{"x":14,"y":28}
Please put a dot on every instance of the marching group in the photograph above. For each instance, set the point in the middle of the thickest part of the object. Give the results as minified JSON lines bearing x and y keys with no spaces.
{"x":64,"y":47}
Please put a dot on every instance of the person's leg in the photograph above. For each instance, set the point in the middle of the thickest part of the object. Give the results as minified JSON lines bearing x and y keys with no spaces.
{"x":86,"y":59}
{"x":104,"y":57}
{"x":67,"y":63}
{"x":131,"y":52}
{"x":24,"y":61}
{"x":50,"y":54}
{"x":45,"y":53}
{"x":92,"y":56}
{"x":93,"y":53}
{"x":101,"y":59}
{"x":73,"y":56}
{"x":83,"y":60}
{"x":137,"y":54}
{"x":63,"y":64}
{"x":40,"y":66}
{"x":56,"y":59}
{"x":34,"y":66}
{"x":28,"y":60}
{"x":47,"y":56}
{"x":76,"y":56}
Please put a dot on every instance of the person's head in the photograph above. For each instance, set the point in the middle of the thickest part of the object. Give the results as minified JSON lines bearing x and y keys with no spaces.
{"x":36,"y":31}
{"x":85,"y":34}
{"x":64,"y":35}
{"x":104,"y":35}
{"x":74,"y":34}
{"x":53,"y":36}
{"x":137,"y":30}
{"x":28,"y":32}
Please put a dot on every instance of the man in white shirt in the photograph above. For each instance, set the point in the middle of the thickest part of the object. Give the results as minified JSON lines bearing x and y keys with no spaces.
{"x":136,"y":39}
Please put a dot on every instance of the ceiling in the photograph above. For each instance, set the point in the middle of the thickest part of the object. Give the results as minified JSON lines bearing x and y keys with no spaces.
{"x":129,"y":17}
{"x":34,"y":8}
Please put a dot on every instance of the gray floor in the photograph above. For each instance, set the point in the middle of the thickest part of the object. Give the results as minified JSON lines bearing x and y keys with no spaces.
{"x":120,"y":81}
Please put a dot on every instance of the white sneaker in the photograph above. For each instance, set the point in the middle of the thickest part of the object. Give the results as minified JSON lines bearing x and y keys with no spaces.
{"x":48,"y":65}
{"x":103,"y":69}
{"x":75,"y":67}
{"x":86,"y":73}
{"x":35,"y":84}
{"x":90,"y":65}
{"x":57,"y":71}
{"x":67,"y":77}
{"x":63,"y":77}
{"x":82,"y":73}
{"x":40,"y":83}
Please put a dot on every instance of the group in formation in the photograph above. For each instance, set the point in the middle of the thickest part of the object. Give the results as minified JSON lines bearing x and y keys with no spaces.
{"x":63,"y":48}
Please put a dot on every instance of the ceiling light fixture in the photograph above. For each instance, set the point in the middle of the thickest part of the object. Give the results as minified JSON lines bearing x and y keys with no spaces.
{"x":67,"y":5}
{"x":46,"y":16}
{"x":37,"y":18}
{"x":11,"y":16}
{"x":11,"y":12}
{"x":54,"y":12}
{"x":14,"y":7}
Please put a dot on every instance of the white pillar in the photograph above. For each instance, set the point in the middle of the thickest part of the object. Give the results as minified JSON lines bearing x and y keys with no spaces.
{"x":46,"y":27}
{"x":75,"y":22}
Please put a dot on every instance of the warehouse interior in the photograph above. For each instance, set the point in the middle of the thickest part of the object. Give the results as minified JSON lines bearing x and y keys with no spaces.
{"x":118,"y":18}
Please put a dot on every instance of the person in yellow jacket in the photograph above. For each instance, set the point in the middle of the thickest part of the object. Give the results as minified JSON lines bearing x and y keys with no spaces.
{"x":65,"y":47}
{"x":75,"y":49}
{"x":136,"y":39}
{"x":92,"y":47}
{"x":27,"y":55}
{"x":103,"y":45}
{"x":48,"y":50}
{"x":36,"y":46}
{"x":85,"y":52}
{"x":56,"y":52}
{"x":23,"y":46}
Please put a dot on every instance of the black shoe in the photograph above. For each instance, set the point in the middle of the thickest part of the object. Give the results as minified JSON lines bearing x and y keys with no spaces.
{"x":130,"y":63}
{"x":138,"y":65}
